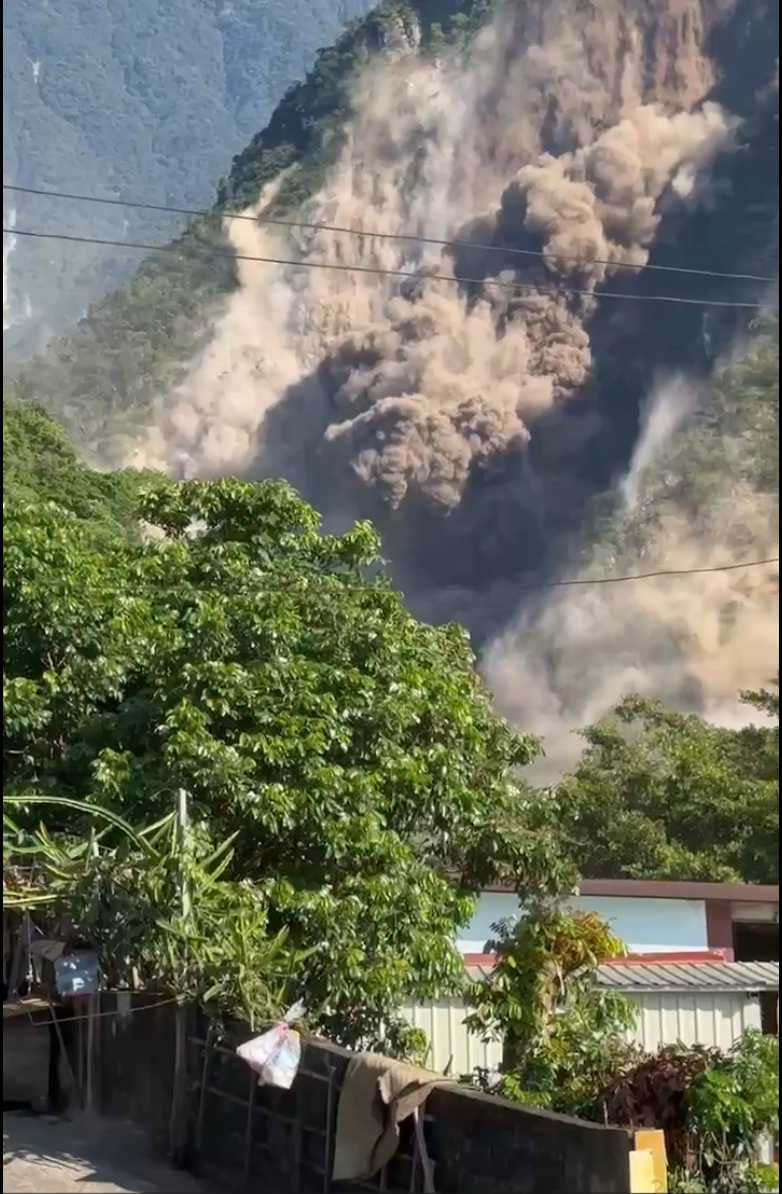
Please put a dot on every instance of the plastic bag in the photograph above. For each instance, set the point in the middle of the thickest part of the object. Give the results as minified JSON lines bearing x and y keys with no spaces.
{"x":275,"y":1055}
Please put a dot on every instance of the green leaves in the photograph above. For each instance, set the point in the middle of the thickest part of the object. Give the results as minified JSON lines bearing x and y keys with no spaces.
{"x":731,"y":1104}
{"x":349,"y":752}
{"x":713,"y":1106}
{"x":562,"y":1038}
{"x":658,"y":794}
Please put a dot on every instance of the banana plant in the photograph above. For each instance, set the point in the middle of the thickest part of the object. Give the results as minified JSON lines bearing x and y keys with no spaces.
{"x":119,"y":891}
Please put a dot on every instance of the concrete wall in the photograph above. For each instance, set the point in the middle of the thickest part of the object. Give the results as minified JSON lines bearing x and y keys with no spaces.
{"x":645,"y":925}
{"x":133,"y":1062}
{"x":479,"y":1144}
{"x":35,"y":1068}
{"x":486,"y":1145}
{"x":25,"y":1061}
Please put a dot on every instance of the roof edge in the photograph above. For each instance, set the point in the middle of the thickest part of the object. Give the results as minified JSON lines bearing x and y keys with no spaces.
{"x":672,"y":889}
{"x":703,"y":957}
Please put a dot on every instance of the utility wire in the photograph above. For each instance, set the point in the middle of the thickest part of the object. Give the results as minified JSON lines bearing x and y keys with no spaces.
{"x":569,"y":582}
{"x":394,"y":236}
{"x":613,"y":580}
{"x":522,"y":289}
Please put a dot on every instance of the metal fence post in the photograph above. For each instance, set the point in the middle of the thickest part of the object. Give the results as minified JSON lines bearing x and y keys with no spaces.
{"x":179,"y":1099}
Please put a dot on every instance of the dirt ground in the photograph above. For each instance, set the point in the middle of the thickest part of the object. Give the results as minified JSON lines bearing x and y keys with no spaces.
{"x":65,"y":1155}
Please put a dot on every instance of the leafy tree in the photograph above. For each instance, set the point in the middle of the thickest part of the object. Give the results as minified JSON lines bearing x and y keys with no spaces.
{"x":40,"y":464}
{"x":666,"y":795}
{"x":349,"y":751}
{"x":563,"y":1039}
{"x":713,"y":1107}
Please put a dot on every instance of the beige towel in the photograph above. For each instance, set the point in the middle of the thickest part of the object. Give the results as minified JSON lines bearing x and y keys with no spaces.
{"x":377,"y":1094}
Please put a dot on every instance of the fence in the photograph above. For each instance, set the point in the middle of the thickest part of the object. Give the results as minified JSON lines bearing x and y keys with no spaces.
{"x":281,"y":1142}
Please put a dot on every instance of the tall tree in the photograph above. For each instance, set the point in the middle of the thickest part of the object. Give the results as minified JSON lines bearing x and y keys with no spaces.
{"x":272,"y":671}
{"x":666,"y":795}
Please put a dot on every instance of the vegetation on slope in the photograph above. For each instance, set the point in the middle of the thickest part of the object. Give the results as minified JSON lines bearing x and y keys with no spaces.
{"x":726,"y":447}
{"x":139,"y":101}
{"x":40,"y":465}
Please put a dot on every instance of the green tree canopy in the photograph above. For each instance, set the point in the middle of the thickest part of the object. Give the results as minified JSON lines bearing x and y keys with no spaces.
{"x":40,"y":464}
{"x":563,"y":1038}
{"x":666,"y":795}
{"x":271,"y":671}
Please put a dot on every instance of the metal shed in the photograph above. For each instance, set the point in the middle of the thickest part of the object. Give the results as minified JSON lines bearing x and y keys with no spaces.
{"x":704,"y":1003}
{"x":452,"y":1048}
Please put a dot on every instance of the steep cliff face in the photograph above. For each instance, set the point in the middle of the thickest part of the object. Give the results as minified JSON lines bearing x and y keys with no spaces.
{"x":558,"y":148}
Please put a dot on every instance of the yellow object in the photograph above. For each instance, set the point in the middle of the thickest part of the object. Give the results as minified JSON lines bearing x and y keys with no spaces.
{"x":642,"y":1179}
{"x":653,"y":1141}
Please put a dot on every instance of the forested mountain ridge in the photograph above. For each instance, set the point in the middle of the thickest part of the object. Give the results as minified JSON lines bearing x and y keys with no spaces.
{"x":132,"y":100}
{"x":130,"y":346}
{"x":525,"y":425}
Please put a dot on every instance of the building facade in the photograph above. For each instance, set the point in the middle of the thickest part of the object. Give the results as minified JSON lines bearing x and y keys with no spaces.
{"x":740,"y":922}
{"x":688,"y":944}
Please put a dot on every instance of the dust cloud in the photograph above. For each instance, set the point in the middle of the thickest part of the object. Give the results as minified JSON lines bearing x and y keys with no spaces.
{"x":694,"y":643}
{"x":567,"y":133}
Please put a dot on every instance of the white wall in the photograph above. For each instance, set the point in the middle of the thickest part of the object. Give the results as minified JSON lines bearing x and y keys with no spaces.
{"x":451,"y":1047}
{"x":645,"y":925}
{"x":701,"y":1018}
{"x":491,"y":907}
{"x":651,"y":926}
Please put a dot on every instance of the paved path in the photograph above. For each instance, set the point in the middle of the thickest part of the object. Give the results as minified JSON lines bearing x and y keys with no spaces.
{"x":63,"y":1156}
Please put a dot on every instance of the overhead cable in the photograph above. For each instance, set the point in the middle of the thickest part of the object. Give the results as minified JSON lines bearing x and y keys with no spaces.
{"x":521,"y":289}
{"x":393,"y":236}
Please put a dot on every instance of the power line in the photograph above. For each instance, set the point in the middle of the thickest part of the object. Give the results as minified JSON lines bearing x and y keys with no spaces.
{"x":393,"y":236}
{"x":569,"y":582}
{"x":612,"y":580}
{"x":522,"y":289}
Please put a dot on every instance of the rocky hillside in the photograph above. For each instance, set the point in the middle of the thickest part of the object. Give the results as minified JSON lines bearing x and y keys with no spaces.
{"x":513,"y":428}
{"x":145,"y":99}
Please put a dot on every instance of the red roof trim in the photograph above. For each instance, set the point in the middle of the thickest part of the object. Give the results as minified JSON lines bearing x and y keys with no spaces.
{"x":700,"y":957}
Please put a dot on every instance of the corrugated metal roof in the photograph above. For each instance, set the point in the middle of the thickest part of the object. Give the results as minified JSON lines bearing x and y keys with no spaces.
{"x":690,"y":976}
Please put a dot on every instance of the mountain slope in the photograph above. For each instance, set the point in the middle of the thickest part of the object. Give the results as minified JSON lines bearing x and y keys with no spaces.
{"x":41,"y":465}
{"x":478,"y":423}
{"x":139,"y":100}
